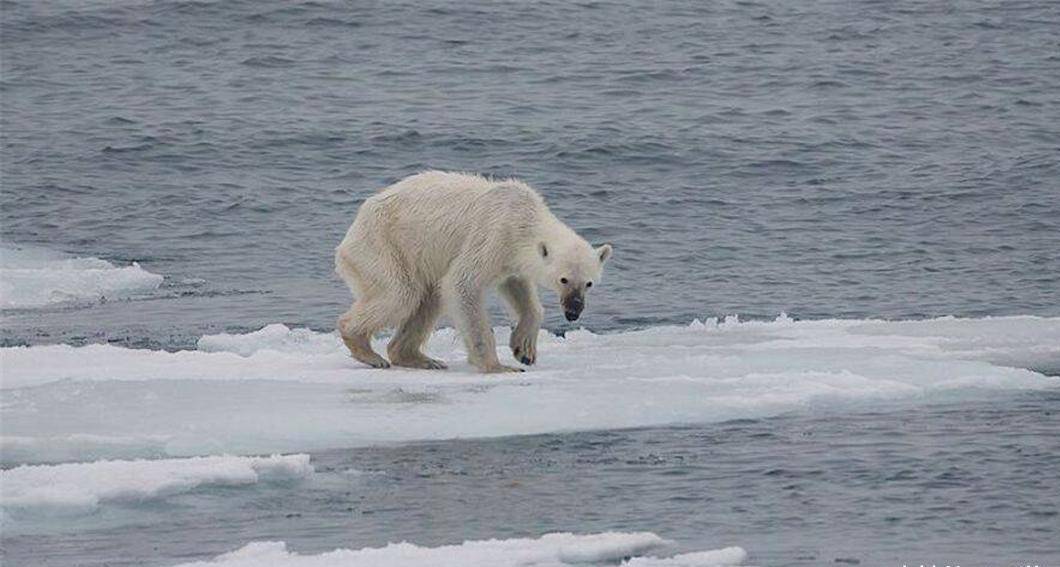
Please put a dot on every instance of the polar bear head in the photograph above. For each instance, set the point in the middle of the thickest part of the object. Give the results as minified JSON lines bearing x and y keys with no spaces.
{"x":571,"y":267}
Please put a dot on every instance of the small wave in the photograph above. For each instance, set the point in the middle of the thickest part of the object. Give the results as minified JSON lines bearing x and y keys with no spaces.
{"x":649,"y":76}
{"x":33,"y":278}
{"x":268,"y":61}
{"x":333,"y":22}
{"x":828,"y":83}
{"x":128,"y":149}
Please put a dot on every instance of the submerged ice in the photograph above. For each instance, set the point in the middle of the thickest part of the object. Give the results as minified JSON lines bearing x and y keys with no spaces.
{"x":78,"y":488}
{"x":290,"y":390}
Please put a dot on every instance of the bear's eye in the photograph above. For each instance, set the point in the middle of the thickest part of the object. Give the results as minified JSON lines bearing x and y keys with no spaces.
{"x":563,"y":281}
{"x":588,"y":284}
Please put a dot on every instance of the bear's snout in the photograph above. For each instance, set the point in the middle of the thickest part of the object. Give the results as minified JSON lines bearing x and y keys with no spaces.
{"x":572,"y":307}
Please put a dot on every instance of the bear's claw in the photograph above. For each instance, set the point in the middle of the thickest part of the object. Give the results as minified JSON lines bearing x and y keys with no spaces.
{"x":522,"y":355}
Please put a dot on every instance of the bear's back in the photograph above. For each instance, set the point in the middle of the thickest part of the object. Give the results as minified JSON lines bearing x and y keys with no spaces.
{"x":429,"y":216}
{"x":458,"y":197}
{"x":440,"y":184}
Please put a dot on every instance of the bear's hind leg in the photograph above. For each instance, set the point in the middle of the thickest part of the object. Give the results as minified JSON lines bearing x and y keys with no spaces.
{"x":357,"y":326}
{"x":405,"y":349}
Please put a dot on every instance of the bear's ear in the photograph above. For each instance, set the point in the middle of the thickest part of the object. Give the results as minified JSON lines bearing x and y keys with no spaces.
{"x":603,"y":252}
{"x":543,"y":250}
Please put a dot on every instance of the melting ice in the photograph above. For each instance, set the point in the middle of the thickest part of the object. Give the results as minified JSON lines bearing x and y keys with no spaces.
{"x":293,"y":390}
{"x":32,"y":278}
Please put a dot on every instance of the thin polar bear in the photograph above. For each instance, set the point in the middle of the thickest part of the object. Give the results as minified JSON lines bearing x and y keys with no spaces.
{"x":439,"y":240}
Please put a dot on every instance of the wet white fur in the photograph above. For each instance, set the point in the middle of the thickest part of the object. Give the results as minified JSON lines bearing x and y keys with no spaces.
{"x":439,"y":240}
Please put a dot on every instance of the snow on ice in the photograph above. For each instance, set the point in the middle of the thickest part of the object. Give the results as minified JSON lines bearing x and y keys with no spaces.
{"x":292,"y":390}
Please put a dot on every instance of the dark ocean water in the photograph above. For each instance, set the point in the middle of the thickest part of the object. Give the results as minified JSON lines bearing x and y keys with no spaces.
{"x":826,"y":159}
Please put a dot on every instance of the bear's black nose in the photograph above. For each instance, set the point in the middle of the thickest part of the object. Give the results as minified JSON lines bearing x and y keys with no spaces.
{"x":572,"y":308}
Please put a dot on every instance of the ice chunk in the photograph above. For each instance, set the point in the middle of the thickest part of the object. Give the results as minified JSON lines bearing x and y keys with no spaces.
{"x":275,"y":337}
{"x":550,"y":550}
{"x":31,"y":278}
{"x":77,"y":488}
{"x":293,"y":390}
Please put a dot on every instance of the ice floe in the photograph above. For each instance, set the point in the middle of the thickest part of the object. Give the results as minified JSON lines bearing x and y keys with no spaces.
{"x":292,"y":390}
{"x":550,"y":550}
{"x":32,"y":278}
{"x":77,"y":488}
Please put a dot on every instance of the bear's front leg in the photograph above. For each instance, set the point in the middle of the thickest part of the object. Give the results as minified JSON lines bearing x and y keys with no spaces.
{"x":522,"y":298}
{"x":466,"y":299}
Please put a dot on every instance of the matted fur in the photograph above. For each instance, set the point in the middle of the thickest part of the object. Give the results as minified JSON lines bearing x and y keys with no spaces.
{"x":440,"y":240}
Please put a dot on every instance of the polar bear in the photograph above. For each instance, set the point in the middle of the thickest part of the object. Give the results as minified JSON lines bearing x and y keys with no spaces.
{"x":441,"y":240}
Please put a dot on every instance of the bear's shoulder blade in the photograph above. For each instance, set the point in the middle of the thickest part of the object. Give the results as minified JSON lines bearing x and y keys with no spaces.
{"x":516,"y":192}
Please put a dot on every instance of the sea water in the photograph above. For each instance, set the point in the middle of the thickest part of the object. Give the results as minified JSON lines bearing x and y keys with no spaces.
{"x":830,"y":159}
